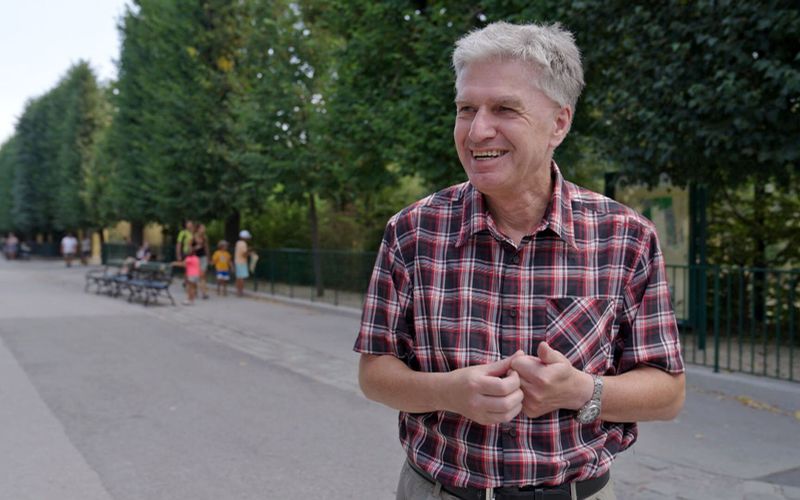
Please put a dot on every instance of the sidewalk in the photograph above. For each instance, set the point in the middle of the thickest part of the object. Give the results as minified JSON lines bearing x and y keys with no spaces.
{"x":738,"y":436}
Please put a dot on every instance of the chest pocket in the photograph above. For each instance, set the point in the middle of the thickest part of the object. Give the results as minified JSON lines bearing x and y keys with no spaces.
{"x":581,"y":329}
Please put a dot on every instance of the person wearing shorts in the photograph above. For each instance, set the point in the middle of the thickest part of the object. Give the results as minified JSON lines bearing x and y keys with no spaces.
{"x":241,"y":255}
{"x":192,"y":263}
{"x":69,"y":248}
{"x":222,"y":261}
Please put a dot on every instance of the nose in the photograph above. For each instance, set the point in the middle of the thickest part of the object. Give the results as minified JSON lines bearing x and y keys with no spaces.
{"x":482,"y":126}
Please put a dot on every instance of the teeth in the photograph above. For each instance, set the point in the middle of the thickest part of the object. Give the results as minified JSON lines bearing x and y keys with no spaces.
{"x":488,"y":154}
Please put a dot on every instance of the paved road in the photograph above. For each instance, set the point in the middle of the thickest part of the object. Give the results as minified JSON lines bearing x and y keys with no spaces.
{"x":257,"y":398}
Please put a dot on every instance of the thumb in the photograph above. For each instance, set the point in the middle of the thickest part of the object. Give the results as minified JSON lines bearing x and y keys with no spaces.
{"x":548,"y":355}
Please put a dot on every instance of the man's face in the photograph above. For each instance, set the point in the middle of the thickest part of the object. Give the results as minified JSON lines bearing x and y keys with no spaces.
{"x":506,"y":129}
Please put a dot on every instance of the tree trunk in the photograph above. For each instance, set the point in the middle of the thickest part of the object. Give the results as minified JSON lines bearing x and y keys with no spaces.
{"x":137,"y":233}
{"x":315,"y":254}
{"x":760,"y":254}
{"x":232,"y":224}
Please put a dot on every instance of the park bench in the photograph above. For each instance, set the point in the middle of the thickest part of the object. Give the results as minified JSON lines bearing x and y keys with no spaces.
{"x":104,"y":280}
{"x":149,"y":281}
{"x":144,"y":281}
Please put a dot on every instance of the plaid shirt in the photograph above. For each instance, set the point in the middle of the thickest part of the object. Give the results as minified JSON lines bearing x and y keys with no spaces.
{"x":449,"y":291}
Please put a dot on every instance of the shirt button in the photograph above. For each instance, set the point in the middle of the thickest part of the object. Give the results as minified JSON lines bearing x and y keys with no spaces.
{"x":515,"y":259}
{"x":512,"y":313}
{"x":510,"y":431}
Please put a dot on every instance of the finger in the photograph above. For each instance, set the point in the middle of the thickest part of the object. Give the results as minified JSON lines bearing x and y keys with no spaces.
{"x":504,"y":404}
{"x":492,"y":386}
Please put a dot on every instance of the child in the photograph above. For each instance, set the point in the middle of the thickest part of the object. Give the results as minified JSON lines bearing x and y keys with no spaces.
{"x":222,"y":265}
{"x":192,"y":265}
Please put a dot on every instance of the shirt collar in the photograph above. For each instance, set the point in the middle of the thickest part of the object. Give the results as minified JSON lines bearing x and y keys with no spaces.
{"x":558,"y":216}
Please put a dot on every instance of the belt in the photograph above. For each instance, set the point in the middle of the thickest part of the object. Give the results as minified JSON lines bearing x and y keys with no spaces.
{"x":583,"y":489}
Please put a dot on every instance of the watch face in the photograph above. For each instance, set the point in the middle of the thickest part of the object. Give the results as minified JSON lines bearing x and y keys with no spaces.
{"x":589,"y":414}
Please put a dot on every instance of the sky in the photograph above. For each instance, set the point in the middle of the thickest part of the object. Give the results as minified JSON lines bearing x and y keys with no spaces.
{"x":41,"y":39}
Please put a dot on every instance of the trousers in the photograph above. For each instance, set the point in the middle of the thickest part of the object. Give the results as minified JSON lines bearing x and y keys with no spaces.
{"x":412,"y":486}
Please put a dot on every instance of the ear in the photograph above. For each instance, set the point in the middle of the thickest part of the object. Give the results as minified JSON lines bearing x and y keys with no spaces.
{"x":562,"y":120}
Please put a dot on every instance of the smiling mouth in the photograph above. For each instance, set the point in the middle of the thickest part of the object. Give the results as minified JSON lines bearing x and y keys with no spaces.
{"x":488,"y":155}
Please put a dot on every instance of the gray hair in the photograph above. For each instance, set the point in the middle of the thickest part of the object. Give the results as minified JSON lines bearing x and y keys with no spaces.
{"x":549,"y":49}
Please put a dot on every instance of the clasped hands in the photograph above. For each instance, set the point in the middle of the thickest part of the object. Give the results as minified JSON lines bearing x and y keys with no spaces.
{"x":497,"y":392}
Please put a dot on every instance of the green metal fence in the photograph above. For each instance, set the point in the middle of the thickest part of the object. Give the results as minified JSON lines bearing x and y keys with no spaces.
{"x":739,"y":319}
{"x":730,"y":318}
{"x":344,"y":275}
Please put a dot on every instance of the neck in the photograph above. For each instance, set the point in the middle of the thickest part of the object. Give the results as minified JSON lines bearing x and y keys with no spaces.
{"x":519,"y":214}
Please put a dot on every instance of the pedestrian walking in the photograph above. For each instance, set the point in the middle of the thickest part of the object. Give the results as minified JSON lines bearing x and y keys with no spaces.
{"x":86,"y":249}
{"x":521,"y":324}
{"x":11,"y":246}
{"x":69,"y":248}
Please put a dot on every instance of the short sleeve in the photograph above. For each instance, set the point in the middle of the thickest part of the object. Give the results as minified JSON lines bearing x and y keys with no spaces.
{"x":648,"y":329}
{"x":386,"y":324}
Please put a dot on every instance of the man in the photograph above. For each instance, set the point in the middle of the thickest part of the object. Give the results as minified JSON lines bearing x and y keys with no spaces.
{"x":241,"y":254}
{"x":184,"y":242}
{"x":69,"y":247}
{"x":11,"y":246}
{"x":521,"y":324}
{"x":86,"y":249}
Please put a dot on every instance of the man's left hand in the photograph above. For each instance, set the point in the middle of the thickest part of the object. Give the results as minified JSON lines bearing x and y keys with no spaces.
{"x":550,"y":382}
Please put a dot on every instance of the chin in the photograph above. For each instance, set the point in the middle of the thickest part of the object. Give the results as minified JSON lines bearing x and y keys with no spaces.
{"x":484,"y":183}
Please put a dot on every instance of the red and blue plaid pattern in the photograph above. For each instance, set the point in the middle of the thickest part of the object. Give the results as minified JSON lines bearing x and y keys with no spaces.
{"x":449,"y":291}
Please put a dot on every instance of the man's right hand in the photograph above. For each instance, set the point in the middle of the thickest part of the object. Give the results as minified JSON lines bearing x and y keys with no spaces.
{"x":487,"y":394}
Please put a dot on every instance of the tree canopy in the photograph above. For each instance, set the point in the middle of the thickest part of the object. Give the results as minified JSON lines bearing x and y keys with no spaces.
{"x":230,"y":108}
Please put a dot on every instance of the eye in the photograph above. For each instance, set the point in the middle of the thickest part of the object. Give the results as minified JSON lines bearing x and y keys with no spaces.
{"x":465,"y":110}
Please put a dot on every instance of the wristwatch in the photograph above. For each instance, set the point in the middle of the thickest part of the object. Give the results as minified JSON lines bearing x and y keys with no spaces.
{"x":591,"y":410}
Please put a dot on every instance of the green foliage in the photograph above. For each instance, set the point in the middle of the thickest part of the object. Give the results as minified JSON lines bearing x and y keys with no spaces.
{"x":705,"y":91}
{"x":752,"y":226}
{"x":283,"y":114}
{"x":8,"y":163}
{"x":709,"y":93}
{"x":99,"y":193}
{"x":393,"y":98}
{"x":54,"y":145}
{"x":270,"y":107}
{"x":173,"y":134}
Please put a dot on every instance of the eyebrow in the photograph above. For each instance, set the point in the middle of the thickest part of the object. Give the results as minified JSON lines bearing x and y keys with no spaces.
{"x":511,"y":101}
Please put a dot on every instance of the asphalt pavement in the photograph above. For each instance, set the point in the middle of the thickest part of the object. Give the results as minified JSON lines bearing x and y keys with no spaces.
{"x":258,"y":398}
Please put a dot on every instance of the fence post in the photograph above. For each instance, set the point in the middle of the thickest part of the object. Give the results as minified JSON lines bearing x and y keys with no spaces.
{"x":272,"y":273}
{"x":792,"y":286}
{"x":778,"y":319}
{"x":716,"y":318}
{"x":702,"y":309}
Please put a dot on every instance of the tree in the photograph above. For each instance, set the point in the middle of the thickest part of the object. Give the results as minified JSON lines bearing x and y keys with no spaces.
{"x":284,"y":113}
{"x":173,"y":135}
{"x":98,"y":194}
{"x":8,"y":163}
{"x":707,"y":92}
{"x":78,"y":130}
